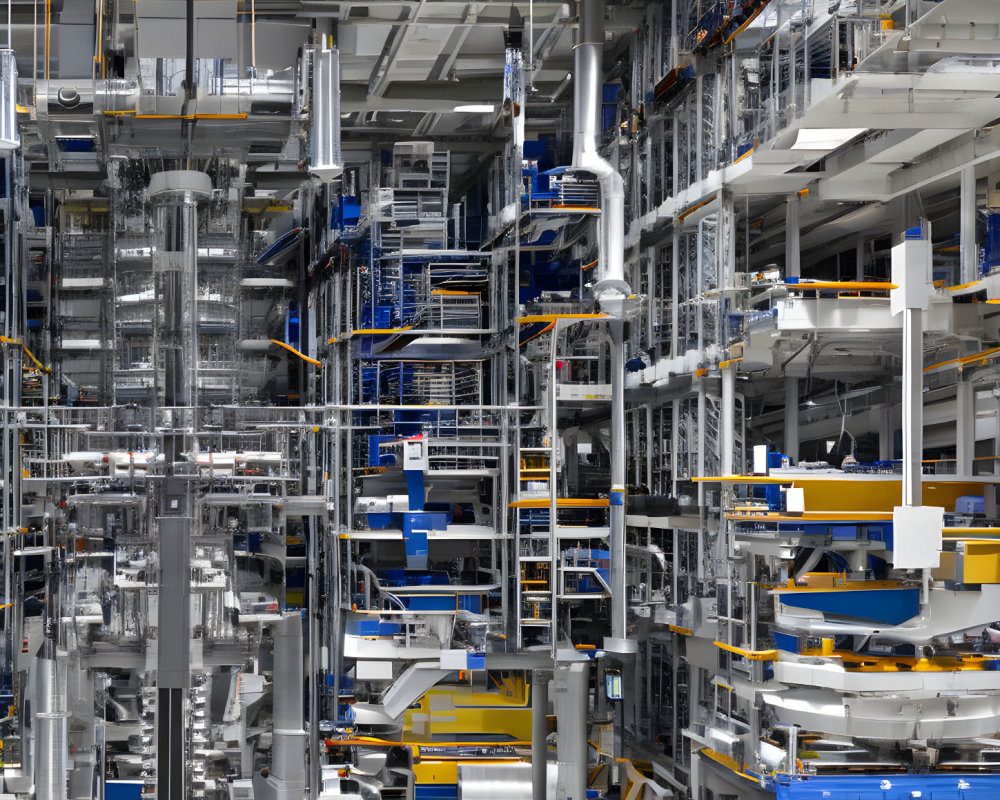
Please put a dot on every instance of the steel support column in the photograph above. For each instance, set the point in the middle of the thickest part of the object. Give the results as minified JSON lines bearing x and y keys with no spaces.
{"x":913,"y":410}
{"x":969,"y":249}
{"x":793,"y":266}
{"x":571,"y":692}
{"x":539,"y":732}
{"x":965,"y":427}
{"x":791,"y":446}
{"x":727,"y":421}
{"x":619,"y":444}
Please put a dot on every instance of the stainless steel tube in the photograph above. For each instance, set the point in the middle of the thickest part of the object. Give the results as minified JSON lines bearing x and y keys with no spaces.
{"x":288,"y":761}
{"x":539,"y":732}
{"x":611,"y":289}
{"x":570,"y":683}
{"x":587,"y":94}
{"x":51,"y":756}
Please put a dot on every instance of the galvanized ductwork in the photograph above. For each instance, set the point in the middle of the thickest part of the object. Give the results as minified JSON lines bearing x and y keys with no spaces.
{"x":611,"y":290}
{"x":51,"y":755}
{"x":9,"y":137}
{"x":288,"y":756}
{"x":587,"y":94}
{"x":325,"y":160}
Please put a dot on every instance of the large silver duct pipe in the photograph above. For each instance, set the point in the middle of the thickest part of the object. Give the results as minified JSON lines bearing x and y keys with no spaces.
{"x":50,"y":697}
{"x":9,"y":137}
{"x":51,"y":755}
{"x":587,"y":94}
{"x":175,"y":195}
{"x":570,"y":682}
{"x":325,"y":160}
{"x":611,"y":289}
{"x":288,"y":757}
{"x":49,"y":724}
{"x":539,"y":733}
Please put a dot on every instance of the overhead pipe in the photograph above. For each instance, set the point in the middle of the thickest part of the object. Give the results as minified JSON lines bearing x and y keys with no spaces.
{"x":587,"y":94}
{"x":610,"y":290}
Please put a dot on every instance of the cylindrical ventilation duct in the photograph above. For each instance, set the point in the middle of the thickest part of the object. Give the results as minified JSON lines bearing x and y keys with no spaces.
{"x":51,"y":756}
{"x":175,"y":197}
{"x":539,"y":733}
{"x":570,"y":682}
{"x":288,"y":756}
{"x":611,"y":290}
{"x":9,"y":137}
{"x":587,"y":95}
{"x":325,"y":161}
{"x":47,"y":695}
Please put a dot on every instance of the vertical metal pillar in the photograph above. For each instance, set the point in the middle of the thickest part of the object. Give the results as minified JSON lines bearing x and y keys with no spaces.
{"x":965,"y":427}
{"x":316,"y":617}
{"x":50,"y":725}
{"x":885,"y":430}
{"x":695,"y":762}
{"x":619,"y":444}
{"x":553,"y":494}
{"x":913,"y":410}
{"x":727,"y":422}
{"x":675,"y":414}
{"x":699,"y":128}
{"x":969,"y":249}
{"x":701,"y":486}
{"x":288,"y":759}
{"x":649,"y":447}
{"x":675,"y":254}
{"x":539,"y":732}
{"x":793,"y":265}
{"x":791,"y":446}
{"x":173,"y":639}
{"x":175,"y":265}
{"x":51,"y":755}
{"x":570,"y":683}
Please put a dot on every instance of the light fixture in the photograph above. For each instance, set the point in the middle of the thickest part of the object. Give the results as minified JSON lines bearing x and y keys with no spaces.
{"x":824,"y":138}
{"x":475,"y":108}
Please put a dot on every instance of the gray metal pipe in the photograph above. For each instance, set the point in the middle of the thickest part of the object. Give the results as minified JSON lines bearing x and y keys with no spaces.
{"x":616,"y":516}
{"x":325,"y":160}
{"x":611,"y":290}
{"x":727,"y":422}
{"x":51,"y":756}
{"x":49,"y":696}
{"x":913,"y":411}
{"x":288,"y":757}
{"x":793,"y":247}
{"x":587,"y":95}
{"x":539,"y":732}
{"x":288,"y":673}
{"x":570,"y":684}
{"x":791,"y":445}
{"x":969,"y":248}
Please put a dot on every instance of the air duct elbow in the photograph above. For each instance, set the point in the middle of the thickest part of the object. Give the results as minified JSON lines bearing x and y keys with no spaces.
{"x":611,"y":289}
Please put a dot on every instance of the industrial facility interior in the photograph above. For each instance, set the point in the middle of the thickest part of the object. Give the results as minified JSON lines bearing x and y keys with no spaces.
{"x":483,"y":400}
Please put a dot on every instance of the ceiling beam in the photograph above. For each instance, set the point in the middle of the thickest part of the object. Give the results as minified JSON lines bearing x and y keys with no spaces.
{"x":446,"y":59}
{"x":397,"y":37}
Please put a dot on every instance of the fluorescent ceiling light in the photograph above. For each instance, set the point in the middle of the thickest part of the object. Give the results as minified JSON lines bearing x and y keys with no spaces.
{"x":475,"y":108}
{"x":825,"y":138}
